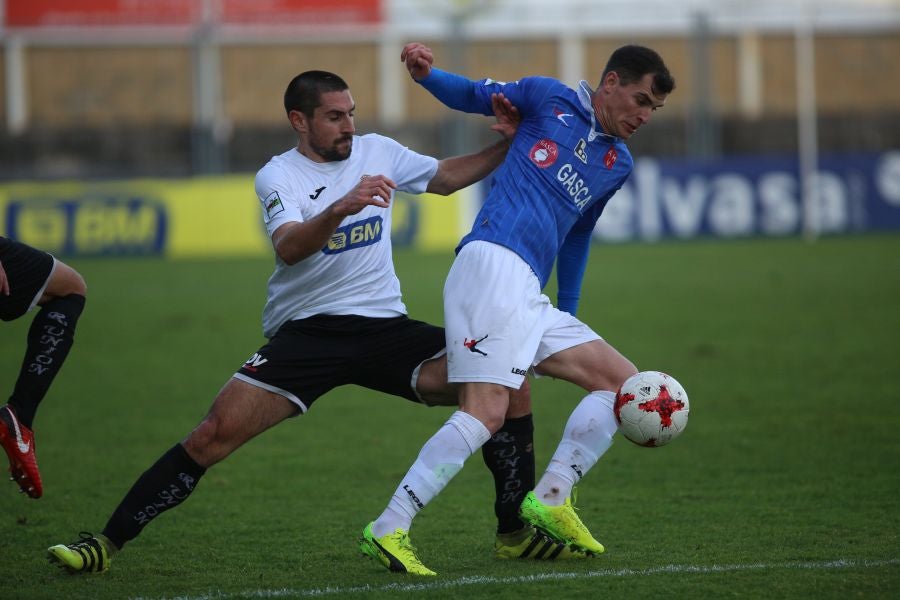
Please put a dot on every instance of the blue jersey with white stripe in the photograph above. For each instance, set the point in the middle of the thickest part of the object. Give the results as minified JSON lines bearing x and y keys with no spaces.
{"x":560,"y":171}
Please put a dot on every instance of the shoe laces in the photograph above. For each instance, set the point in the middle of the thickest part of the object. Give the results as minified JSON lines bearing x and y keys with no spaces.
{"x":86,"y":540}
{"x":577,"y":520}
{"x":406,"y":545}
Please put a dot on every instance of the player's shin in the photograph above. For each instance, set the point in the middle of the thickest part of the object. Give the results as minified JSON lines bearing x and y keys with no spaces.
{"x":440,"y":459}
{"x":50,"y":338}
{"x":164,"y":485}
{"x":509,"y":455}
{"x":588,"y":435}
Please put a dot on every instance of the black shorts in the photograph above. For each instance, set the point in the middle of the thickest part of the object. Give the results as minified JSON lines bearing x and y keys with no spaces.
{"x":27,"y":271}
{"x":309,"y":357}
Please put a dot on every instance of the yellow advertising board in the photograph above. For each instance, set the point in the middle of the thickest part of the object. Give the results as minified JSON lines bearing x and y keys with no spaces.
{"x":185,"y":218}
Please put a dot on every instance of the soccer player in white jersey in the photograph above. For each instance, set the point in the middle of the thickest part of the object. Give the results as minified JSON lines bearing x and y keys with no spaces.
{"x":334,"y":316}
{"x":567,"y":160}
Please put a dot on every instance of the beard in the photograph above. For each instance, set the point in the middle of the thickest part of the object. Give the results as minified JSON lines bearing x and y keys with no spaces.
{"x":334,"y":153}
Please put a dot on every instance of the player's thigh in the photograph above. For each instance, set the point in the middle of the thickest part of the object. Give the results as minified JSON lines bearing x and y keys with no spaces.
{"x":431,"y":383}
{"x":494,"y":315}
{"x":28,"y":271}
{"x":305,"y":359}
{"x":593,"y":365}
{"x":63,"y":281}
{"x":405,"y":358}
{"x":244,"y":410}
{"x":240,"y":412}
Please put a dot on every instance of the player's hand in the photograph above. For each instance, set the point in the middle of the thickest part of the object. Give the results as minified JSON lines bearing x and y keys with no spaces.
{"x":418,"y":58}
{"x":507,"y":115}
{"x":372,"y":190}
{"x":4,"y":283}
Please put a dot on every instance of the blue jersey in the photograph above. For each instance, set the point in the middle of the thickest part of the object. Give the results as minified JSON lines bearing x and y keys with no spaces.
{"x":560,"y":172}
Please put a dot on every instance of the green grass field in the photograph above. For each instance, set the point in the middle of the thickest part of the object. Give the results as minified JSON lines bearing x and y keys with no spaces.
{"x":786,"y":483}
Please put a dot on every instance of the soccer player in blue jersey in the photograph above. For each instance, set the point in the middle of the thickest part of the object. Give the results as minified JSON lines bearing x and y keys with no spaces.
{"x":567,"y":160}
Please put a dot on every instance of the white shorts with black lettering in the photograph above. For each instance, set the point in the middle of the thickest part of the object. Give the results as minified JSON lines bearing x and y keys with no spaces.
{"x":498,"y":323}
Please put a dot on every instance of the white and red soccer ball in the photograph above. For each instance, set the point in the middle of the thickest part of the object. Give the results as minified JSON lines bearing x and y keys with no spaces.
{"x":651,"y":408}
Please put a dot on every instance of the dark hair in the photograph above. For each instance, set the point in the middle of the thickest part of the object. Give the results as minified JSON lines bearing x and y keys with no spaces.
{"x":305,"y":90}
{"x":632,"y":62}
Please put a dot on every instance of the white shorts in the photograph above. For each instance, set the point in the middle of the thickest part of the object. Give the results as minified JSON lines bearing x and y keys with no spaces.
{"x":498,"y":323}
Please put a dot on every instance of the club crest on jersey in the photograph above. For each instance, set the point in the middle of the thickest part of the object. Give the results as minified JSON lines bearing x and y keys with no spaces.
{"x":610,"y":158}
{"x":272,"y":205}
{"x":355,"y":235}
{"x":544,"y":153}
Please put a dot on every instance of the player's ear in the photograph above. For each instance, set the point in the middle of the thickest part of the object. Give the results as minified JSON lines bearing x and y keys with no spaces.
{"x":610,"y":81}
{"x":298,"y":121}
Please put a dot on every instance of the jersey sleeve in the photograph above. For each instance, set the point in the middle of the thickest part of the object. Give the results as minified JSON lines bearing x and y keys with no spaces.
{"x":571,"y":263}
{"x":411,"y":171}
{"x":277,"y":198}
{"x":460,"y":93}
{"x":573,"y":254}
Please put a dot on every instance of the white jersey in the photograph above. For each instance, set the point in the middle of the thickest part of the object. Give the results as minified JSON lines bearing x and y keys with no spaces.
{"x":354,"y":272}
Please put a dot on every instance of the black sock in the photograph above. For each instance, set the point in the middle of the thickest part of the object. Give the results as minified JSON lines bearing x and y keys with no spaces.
{"x":165,"y":485}
{"x":509,"y":454}
{"x":50,"y":338}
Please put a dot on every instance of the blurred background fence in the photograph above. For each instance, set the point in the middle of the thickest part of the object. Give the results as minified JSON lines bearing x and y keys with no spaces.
{"x":786,"y":118}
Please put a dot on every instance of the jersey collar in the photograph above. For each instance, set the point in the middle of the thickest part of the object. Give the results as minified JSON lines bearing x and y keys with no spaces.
{"x":584,"y":95}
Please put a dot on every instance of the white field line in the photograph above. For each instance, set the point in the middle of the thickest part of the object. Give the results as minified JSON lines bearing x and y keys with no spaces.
{"x":432,"y":585}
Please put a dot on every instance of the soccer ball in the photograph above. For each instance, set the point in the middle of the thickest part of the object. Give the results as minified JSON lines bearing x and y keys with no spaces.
{"x":651,"y":408}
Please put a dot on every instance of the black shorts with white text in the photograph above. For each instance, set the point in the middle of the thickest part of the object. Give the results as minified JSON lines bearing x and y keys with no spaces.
{"x":309,"y":357}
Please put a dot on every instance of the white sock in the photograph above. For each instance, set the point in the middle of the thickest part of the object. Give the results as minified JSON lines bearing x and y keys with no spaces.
{"x":588,"y":434}
{"x":440,"y":459}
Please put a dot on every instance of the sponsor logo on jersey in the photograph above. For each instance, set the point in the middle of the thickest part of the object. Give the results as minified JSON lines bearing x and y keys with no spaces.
{"x":253,"y":363}
{"x":315,"y":196}
{"x":272,"y":205}
{"x":574,"y":185}
{"x":544,"y":153}
{"x":562,"y":116}
{"x":579,"y":150}
{"x":610,"y":158}
{"x":355,"y":235}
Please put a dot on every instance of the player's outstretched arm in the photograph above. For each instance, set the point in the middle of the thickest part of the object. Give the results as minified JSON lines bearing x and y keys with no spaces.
{"x":455,"y":91}
{"x":298,"y":240}
{"x":462,"y":171}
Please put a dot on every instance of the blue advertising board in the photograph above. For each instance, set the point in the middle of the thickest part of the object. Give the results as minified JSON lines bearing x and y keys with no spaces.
{"x":753,"y":196}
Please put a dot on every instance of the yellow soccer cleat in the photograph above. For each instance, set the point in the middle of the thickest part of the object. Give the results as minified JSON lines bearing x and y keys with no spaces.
{"x":532,"y":543}
{"x":394,"y":551}
{"x":90,"y":554}
{"x":561,"y":522}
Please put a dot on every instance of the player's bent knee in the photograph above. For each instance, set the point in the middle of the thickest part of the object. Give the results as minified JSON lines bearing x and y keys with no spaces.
{"x":210,"y":442}
{"x":200,"y":442}
{"x":65,"y":281}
